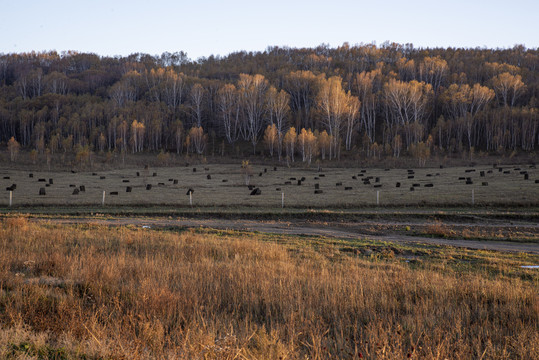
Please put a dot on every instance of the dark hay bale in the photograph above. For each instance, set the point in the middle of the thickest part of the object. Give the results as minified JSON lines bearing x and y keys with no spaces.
{"x":75,"y":191}
{"x":429,"y":185}
{"x":10,"y":188}
{"x":299,"y":182}
{"x":47,"y":185}
{"x":265,"y":170}
{"x":72,"y":185}
{"x":412,"y":188}
{"x":526,"y":176}
{"x":410,"y":176}
{"x":377,"y":185}
{"x":190,"y":191}
{"x":489,"y":172}
{"x":175,"y":182}
{"x":154,"y":174}
{"x":94,"y":174}
{"x":523,"y":172}
{"x":462,"y":178}
{"x":224,"y":180}
{"x":170,"y":179}
{"x":318,"y":191}
{"x":292,"y":178}
{"x":125,"y":181}
{"x":416,"y":185}
{"x":128,"y":189}
{"x":338,"y":184}
{"x":354,"y":177}
{"x":82,"y":188}
{"x":398,"y":184}
{"x":410,"y":171}
{"x":148,"y":186}
{"x":102,"y":177}
{"x":377,"y":179}
{"x":484,"y":183}
{"x":321,"y":175}
{"x":363,"y":171}
{"x":302,"y":178}
{"x":114,"y":193}
{"x":468,"y":179}
{"x":250,"y":187}
{"x":316,"y":178}
{"x":441,"y":166}
{"x":288,"y":182}
{"x":194,"y":169}
{"x":73,"y":172}
{"x":275,"y":168}
{"x":31,"y":175}
{"x":482,"y":173}
{"x":42,"y":191}
{"x":260,"y":174}
{"x":500,"y":169}
{"x":469,"y":170}
{"x":256,"y":191}
{"x":537,"y":181}
{"x":469,"y":182}
{"x":13,"y":186}
{"x":347,"y":188}
{"x":277,"y":189}
{"x":516,"y":169}
{"x":39,"y":180}
{"x":208,"y":177}
{"x":360,"y":175}
{"x":507,"y":172}
{"x":160,"y":184}
{"x":429,"y":175}
{"x":316,"y":186}
{"x":138,"y":173}
{"x":366,"y":182}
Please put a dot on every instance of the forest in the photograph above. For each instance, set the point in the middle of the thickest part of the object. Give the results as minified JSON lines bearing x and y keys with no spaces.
{"x":293,"y":104}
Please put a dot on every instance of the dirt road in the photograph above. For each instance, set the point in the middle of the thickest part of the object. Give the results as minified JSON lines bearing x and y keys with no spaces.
{"x":335,"y":230}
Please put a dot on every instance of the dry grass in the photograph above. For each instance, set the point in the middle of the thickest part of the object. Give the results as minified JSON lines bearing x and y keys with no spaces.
{"x":504,"y":189}
{"x":98,"y":292}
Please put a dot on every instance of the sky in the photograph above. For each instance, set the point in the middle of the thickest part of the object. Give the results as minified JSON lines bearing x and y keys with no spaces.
{"x":210,"y":27}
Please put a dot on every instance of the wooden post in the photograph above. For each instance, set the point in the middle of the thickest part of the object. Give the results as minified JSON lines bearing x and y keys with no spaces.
{"x":377,"y":197}
{"x":10,"y":198}
{"x":282,"y":199}
{"x":190,"y":198}
{"x":103,"y":201}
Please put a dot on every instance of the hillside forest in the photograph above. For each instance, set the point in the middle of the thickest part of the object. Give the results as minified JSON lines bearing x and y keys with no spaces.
{"x":293,"y":104}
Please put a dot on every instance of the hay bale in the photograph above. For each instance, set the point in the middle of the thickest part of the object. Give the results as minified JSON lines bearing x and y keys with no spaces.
{"x":47,"y":184}
{"x":410,"y":176}
{"x":148,"y":186}
{"x":354,"y":177}
{"x":412,"y":188}
{"x":75,"y":191}
{"x":416,"y":185}
{"x":161,"y":184}
{"x":500,"y":169}
{"x":484,"y":183}
{"x":94,"y":174}
{"x":256,"y":191}
{"x":102,"y":177}
{"x":489,"y":172}
{"x":138,"y":173}
{"x":469,"y":170}
{"x":398,"y":184}
{"x":429,"y":175}
{"x":73,"y":172}
{"x":288,"y":182}
{"x":441,"y":166}
{"x":38,"y":180}
{"x":378,"y":185}
{"x":377,"y":179}
{"x":363,"y":171}
{"x":318,"y":191}
{"x":347,"y":188}
{"x":82,"y":188}
{"x":275,"y":168}
{"x":482,"y":173}
{"x":316,"y":186}
{"x":224,"y":180}
{"x":114,"y":193}
{"x":265,"y":170}
{"x":208,"y":177}
{"x":429,"y":185}
{"x":507,"y":172}
{"x":523,"y":172}
{"x":338,"y":184}
{"x":194,"y":169}
{"x":277,"y":189}
{"x":250,"y":187}
{"x":175,"y":182}
{"x":469,"y":182}
{"x":30,"y":175}
{"x":292,"y":178}
{"x":154,"y":174}
{"x":537,"y":181}
{"x":42,"y":191}
{"x":360,"y":175}
{"x":189,"y":191}
{"x":321,"y":175}
{"x":526,"y":176}
{"x":128,"y":189}
{"x":125,"y":181}
{"x":462,"y":178}
{"x":72,"y":185}
{"x":299,"y":182}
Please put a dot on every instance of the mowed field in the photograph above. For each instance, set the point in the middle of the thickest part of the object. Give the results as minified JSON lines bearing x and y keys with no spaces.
{"x":224,"y":185}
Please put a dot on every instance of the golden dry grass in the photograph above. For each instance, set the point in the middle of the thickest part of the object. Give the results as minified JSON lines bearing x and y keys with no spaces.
{"x":508,"y":189}
{"x":131,"y":293}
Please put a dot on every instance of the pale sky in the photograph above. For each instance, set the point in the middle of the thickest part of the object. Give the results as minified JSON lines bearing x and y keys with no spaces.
{"x":206,"y":27}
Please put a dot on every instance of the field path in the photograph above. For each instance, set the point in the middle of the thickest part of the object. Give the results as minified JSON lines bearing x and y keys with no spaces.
{"x":335,"y":230}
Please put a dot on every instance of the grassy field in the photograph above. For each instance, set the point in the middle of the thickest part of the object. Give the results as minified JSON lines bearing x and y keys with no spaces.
{"x":341,"y":187}
{"x":95,"y":292}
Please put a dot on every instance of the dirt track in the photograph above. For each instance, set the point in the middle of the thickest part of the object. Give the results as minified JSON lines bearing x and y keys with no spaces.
{"x":336,"y":230}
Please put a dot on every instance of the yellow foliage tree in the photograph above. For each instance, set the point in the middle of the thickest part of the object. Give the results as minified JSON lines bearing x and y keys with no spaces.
{"x":13,"y":147}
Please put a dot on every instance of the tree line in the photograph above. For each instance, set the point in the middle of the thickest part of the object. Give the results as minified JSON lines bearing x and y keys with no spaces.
{"x":383,"y":100}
